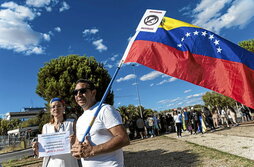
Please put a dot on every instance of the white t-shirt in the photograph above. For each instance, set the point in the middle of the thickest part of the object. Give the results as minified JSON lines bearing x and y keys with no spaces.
{"x":107,"y":118}
{"x":63,"y":160}
{"x":178,"y":118}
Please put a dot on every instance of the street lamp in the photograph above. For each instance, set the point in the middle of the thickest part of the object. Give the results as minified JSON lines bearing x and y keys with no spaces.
{"x":141,"y":114}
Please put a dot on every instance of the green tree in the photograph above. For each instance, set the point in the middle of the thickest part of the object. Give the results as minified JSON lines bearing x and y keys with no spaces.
{"x":215,"y":99}
{"x":30,"y":122}
{"x":248,"y":45}
{"x":131,"y":112}
{"x":148,"y":112}
{"x":58,"y":79}
{"x":6,"y":125}
{"x":128,"y":113}
{"x":124,"y":113}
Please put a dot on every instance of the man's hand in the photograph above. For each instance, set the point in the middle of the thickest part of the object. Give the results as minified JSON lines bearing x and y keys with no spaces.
{"x":82,"y":150}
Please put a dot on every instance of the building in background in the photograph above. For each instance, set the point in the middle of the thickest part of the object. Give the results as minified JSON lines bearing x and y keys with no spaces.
{"x":26,"y":113}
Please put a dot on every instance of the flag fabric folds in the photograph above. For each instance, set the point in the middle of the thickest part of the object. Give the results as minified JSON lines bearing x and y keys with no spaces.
{"x":198,"y":56}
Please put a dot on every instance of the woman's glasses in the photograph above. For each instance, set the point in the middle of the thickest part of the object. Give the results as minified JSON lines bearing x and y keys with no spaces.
{"x":82,"y":91}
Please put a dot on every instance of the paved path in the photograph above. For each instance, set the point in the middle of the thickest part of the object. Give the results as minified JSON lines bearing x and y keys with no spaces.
{"x":15,"y":155}
{"x":242,"y":146}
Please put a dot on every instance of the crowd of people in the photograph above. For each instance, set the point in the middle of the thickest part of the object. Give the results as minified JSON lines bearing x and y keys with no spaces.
{"x":102,"y":146}
{"x":188,"y":119}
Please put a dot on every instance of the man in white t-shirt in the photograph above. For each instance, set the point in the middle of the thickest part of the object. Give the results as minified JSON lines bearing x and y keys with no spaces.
{"x":102,"y":146}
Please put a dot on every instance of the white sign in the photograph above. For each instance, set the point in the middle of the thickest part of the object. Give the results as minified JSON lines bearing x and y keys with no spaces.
{"x":54,"y":144}
{"x":151,"y":20}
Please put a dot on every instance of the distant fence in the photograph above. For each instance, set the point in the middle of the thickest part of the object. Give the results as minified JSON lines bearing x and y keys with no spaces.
{"x":14,"y":141}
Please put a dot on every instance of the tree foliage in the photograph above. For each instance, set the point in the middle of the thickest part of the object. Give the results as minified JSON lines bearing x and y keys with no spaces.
{"x":58,"y":79}
{"x":131,"y":112}
{"x":6,"y":125}
{"x":215,"y":99}
{"x":248,"y":45}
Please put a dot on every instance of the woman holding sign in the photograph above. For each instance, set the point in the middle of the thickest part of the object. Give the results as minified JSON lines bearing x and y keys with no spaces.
{"x":58,"y":123}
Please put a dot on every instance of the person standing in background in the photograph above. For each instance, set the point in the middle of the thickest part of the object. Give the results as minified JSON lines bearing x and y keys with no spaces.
{"x":178,"y":122}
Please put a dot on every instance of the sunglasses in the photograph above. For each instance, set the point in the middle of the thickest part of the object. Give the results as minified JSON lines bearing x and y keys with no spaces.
{"x":82,"y":91}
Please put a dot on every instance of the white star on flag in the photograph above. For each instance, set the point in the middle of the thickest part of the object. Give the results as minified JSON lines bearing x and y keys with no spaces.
{"x":219,"y":50}
{"x":187,"y":34}
{"x":179,"y":45}
{"x":195,"y":32}
{"x":211,"y":36}
{"x":204,"y":33}
{"x":182,"y":39}
{"x":216,"y":42}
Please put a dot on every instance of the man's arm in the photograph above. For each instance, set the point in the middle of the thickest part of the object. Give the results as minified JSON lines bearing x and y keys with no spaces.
{"x":119,"y":140}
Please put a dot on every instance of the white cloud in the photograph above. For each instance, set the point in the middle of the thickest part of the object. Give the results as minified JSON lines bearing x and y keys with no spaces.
{"x":216,"y":15}
{"x":169,"y":105}
{"x":169,"y":100}
{"x":57,"y":29}
{"x":162,"y":82}
{"x":109,"y":66}
{"x":195,"y":95}
{"x":64,"y":7}
{"x":150,"y":76}
{"x":163,"y":101}
{"x":36,"y":50}
{"x":114,"y":57}
{"x":165,"y":76}
{"x":15,"y":32}
{"x":174,"y":100}
{"x":15,"y":12}
{"x":48,"y":9}
{"x":194,"y":101}
{"x":46,"y":37}
{"x":172,"y":79}
{"x":38,"y":3}
{"x":99,"y":45}
{"x":187,"y":91}
{"x":127,"y":77}
{"x":90,"y":31}
{"x":88,"y":35}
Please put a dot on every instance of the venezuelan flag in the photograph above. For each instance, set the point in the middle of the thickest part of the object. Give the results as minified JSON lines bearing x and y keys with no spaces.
{"x":198,"y":56}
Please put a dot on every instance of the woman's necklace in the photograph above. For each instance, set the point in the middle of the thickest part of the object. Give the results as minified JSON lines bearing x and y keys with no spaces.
{"x":57,"y":127}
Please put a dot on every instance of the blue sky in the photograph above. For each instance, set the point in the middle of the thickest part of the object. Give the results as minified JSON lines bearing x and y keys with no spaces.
{"x":32,"y":32}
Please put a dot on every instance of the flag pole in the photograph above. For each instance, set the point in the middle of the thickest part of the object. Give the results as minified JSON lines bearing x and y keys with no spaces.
{"x":109,"y":85}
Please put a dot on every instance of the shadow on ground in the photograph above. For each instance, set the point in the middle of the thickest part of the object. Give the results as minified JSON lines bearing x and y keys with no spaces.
{"x":160,"y":158}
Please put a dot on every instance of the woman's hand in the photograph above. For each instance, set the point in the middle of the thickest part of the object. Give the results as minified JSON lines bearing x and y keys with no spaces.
{"x":72,"y":139}
{"x":35,"y":148}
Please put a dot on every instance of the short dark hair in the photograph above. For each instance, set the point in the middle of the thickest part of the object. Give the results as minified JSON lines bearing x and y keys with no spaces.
{"x":90,"y":83}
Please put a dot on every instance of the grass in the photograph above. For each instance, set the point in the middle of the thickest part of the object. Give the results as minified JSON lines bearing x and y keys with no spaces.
{"x":11,"y":149}
{"x":23,"y":162}
{"x":205,"y":156}
{"x":220,"y":155}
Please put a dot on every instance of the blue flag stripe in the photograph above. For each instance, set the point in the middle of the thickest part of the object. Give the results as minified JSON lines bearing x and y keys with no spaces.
{"x":202,"y":42}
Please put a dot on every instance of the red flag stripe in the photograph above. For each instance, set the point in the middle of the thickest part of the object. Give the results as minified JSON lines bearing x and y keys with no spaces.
{"x":198,"y":69}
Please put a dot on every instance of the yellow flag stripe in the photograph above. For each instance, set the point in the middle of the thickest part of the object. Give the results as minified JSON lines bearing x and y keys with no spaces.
{"x":170,"y":23}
